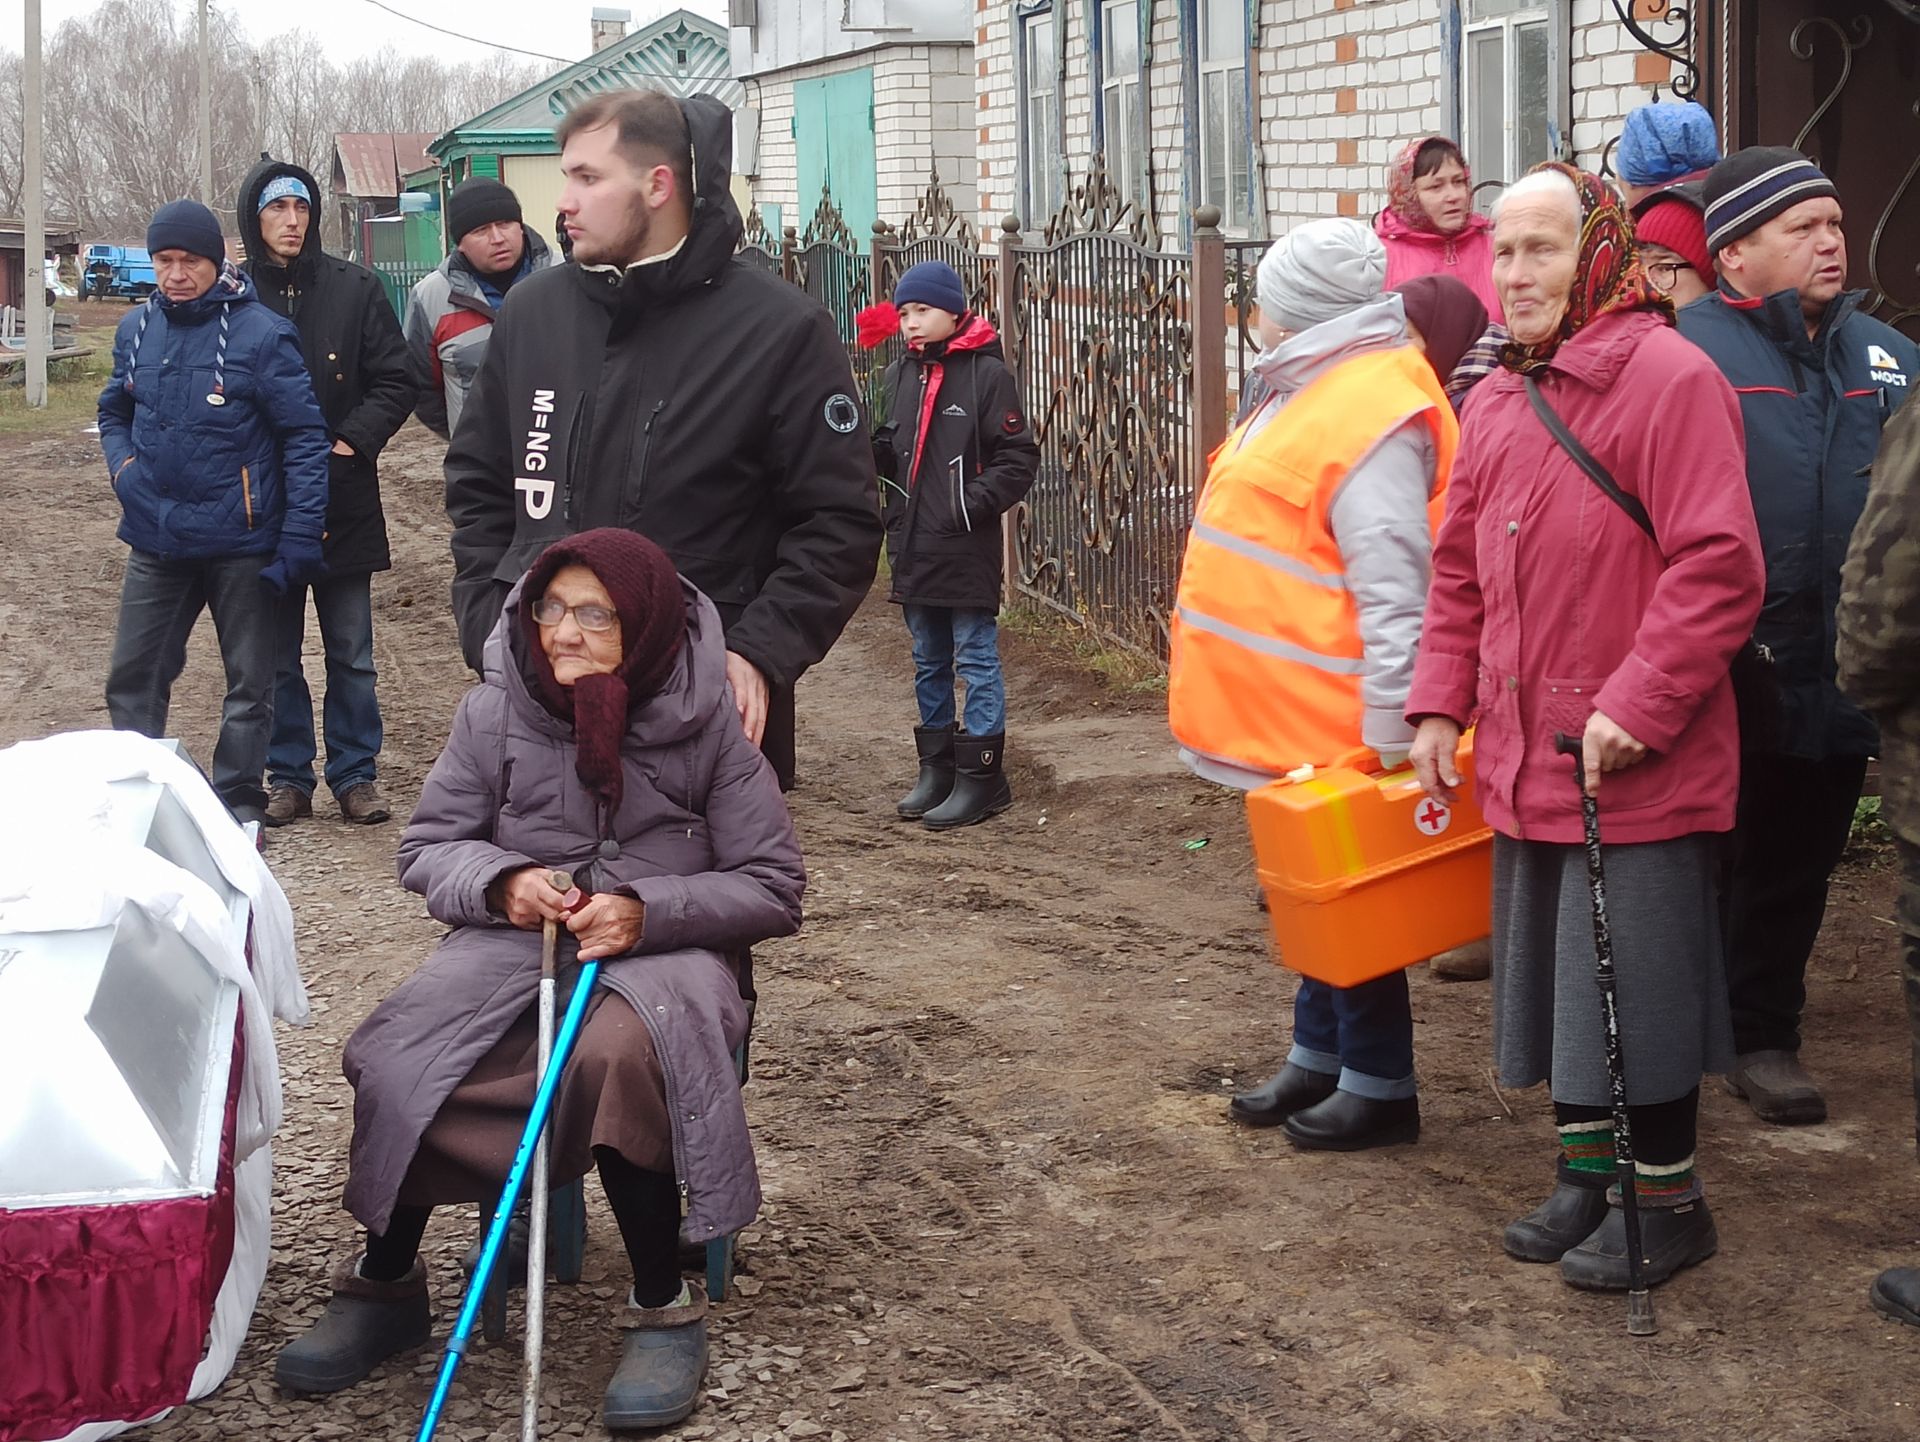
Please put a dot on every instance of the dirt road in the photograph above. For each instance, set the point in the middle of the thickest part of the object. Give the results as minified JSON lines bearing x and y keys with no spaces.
{"x":1003,"y":1199}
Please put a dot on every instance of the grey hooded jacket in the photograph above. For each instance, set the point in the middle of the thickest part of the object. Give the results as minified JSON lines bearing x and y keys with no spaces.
{"x":704,"y":840}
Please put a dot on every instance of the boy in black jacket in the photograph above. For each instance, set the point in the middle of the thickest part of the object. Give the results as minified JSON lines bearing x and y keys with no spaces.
{"x":954,"y":455}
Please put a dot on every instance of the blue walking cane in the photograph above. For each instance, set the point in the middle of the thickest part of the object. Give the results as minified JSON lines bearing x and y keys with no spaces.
{"x":532,"y":1145}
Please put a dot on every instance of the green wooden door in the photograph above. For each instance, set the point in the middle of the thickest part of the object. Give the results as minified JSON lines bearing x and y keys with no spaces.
{"x":833,"y":145}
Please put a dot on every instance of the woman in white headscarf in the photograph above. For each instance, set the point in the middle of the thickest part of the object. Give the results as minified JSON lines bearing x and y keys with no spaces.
{"x":1298,"y":613}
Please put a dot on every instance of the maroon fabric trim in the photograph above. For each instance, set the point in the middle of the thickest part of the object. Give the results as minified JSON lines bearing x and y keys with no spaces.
{"x":106,"y":1308}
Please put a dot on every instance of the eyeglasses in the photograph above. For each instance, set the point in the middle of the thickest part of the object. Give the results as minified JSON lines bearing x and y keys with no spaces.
{"x":1665,"y":274}
{"x":549,"y":612}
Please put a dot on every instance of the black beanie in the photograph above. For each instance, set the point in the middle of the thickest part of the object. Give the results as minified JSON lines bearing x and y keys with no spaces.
{"x":1752,"y":186}
{"x":477,"y":202}
{"x":186,"y":225}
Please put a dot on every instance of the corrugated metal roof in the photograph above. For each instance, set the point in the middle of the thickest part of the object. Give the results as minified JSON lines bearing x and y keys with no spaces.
{"x":369,"y":166}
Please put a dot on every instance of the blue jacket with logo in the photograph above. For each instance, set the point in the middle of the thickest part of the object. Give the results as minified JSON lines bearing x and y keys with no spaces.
{"x":213,"y":439}
{"x":1813,"y":408}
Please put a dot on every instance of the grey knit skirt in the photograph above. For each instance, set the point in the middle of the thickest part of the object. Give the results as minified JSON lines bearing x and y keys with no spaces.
{"x":1663,"y":912}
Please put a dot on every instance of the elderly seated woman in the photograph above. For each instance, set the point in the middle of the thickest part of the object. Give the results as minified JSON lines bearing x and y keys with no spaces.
{"x":602,"y":740}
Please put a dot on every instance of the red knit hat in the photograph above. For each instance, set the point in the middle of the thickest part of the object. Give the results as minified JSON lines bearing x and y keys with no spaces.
{"x":1674,"y":218}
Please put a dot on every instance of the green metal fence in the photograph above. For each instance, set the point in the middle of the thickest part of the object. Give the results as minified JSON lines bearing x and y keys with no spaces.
{"x":398,"y":278}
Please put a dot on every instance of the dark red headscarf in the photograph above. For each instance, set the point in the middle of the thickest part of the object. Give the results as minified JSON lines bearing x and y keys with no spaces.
{"x":1448,"y":315}
{"x":1403,"y":197}
{"x":645,"y":590}
{"x":1608,"y":277}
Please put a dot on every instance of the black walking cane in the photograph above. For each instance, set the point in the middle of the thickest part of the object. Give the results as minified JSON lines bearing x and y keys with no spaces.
{"x":1640,"y":1322}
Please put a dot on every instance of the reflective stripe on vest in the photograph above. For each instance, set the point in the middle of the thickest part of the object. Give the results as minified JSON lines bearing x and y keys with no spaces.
{"x":1267,"y":659}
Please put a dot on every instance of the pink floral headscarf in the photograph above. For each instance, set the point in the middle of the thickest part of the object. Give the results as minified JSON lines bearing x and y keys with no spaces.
{"x":1402,"y":199}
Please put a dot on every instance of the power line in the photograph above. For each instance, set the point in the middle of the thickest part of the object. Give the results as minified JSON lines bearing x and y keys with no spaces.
{"x":461,"y":35}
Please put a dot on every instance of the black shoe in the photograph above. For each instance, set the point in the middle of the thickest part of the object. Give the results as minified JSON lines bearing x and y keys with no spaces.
{"x":1291,"y":1089}
{"x":1349,"y":1122}
{"x":1559,"y":1224}
{"x":658,"y":1380}
{"x":1778,"y":1088}
{"x":365,"y":1323}
{"x":1896,"y":1293}
{"x":979,"y":788}
{"x":1670,"y":1238}
{"x":935,"y":745}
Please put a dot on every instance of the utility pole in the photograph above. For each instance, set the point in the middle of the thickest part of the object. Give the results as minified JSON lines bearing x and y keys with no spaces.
{"x":36,"y":237}
{"x":206,"y":113}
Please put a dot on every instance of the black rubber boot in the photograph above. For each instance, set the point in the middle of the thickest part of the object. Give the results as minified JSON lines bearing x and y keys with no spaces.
{"x":1560,"y":1223}
{"x":1670,"y":1238}
{"x":935,"y":745}
{"x":1349,"y":1122}
{"x":1287,"y":1091}
{"x":658,"y":1380}
{"x":1896,"y":1293}
{"x":365,"y":1323}
{"x":980,"y":789}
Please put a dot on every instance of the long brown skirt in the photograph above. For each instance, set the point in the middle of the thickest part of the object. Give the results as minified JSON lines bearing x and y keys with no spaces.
{"x":613,"y":1095}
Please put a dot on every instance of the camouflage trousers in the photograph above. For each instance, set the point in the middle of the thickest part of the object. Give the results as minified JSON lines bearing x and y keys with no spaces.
{"x":1909,"y":914}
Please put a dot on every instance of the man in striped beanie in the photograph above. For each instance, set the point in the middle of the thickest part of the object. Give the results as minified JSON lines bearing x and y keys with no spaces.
{"x":1817,"y":380}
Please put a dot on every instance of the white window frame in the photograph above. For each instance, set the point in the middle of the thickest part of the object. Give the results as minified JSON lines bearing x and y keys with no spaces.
{"x":1505,"y":166}
{"x":1122,"y":90}
{"x":1040,"y":163}
{"x":1231,"y":75}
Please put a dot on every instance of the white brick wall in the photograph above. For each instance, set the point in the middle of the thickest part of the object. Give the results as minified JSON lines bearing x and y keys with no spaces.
{"x":1340,"y":86}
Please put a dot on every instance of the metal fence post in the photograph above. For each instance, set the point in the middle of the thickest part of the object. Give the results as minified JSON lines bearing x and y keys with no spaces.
{"x":884,"y":240}
{"x":790,"y":255}
{"x":1009,"y":344}
{"x":1209,"y":300}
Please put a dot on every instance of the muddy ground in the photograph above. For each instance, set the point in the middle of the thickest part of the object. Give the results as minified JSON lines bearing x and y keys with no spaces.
{"x":1003,"y":1198}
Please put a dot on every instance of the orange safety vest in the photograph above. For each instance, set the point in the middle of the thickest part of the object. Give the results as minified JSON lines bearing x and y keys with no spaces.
{"x":1266,"y":655}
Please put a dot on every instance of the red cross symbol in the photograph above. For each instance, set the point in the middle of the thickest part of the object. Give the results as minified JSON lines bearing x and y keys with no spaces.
{"x":1432,"y":818}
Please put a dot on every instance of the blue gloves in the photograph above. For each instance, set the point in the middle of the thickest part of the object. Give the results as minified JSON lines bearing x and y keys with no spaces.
{"x":297,"y":563}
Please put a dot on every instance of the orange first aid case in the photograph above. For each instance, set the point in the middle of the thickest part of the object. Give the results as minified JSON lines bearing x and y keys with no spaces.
{"x":1363,"y":874}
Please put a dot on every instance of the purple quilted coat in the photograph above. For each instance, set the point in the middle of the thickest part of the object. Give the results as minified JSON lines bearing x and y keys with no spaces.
{"x":703,"y":839}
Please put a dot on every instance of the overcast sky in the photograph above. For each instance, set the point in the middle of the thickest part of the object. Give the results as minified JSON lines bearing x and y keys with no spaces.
{"x":354,"y":27}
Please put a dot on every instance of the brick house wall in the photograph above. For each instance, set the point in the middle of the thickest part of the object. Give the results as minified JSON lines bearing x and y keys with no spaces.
{"x":1338,"y":87}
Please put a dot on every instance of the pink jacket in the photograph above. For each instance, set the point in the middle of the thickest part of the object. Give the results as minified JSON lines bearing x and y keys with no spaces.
{"x":1548,"y":602}
{"x":1467,"y":257}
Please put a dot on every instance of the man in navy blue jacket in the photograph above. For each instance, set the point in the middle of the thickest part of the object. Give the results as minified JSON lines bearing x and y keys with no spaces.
{"x":218,"y":455}
{"x":1817,"y":380}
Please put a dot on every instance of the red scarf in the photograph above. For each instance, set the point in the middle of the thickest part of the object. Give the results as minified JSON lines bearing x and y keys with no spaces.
{"x":1403,"y":198}
{"x":646,"y":593}
{"x":1607,"y":278}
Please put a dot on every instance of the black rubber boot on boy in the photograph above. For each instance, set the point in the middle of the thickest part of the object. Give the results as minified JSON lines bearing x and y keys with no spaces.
{"x":1289,"y":1090}
{"x":980,"y":789}
{"x":935,"y":745}
{"x":658,"y":1380}
{"x":365,"y":1323}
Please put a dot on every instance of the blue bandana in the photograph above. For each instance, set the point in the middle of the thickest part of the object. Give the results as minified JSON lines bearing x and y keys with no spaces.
{"x":282,"y":186}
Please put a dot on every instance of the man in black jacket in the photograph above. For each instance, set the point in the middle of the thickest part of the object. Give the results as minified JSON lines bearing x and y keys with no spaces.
{"x":659,"y":385}
{"x":350,"y":339}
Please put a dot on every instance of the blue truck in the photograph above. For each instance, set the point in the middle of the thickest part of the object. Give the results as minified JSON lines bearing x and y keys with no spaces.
{"x":124,"y":271}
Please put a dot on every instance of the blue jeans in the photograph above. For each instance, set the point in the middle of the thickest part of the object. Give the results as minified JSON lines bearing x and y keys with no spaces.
{"x":160,"y":602}
{"x":1364,"y":1032}
{"x":350,"y":713}
{"x":947,"y":640}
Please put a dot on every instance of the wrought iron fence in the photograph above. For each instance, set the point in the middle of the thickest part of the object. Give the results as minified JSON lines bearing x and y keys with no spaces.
{"x":760,"y":247}
{"x":1103,"y":334}
{"x":1243,"y":339}
{"x":826,"y":262}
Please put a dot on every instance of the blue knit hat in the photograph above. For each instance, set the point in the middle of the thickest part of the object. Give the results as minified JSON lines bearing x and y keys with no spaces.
{"x":186,"y":225}
{"x":1752,"y":186}
{"x":283,"y":186}
{"x":1663,"y":142}
{"x":934,"y":283}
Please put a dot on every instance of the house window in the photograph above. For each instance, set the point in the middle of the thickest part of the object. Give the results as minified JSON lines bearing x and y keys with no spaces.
{"x":1120,"y":124}
{"x":1226,"y":132}
{"x":1506,"y":89}
{"x":1040,"y":117}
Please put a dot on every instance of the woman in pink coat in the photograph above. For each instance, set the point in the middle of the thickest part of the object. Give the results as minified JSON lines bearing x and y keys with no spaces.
{"x":1552,"y":611}
{"x":1430,"y":226}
